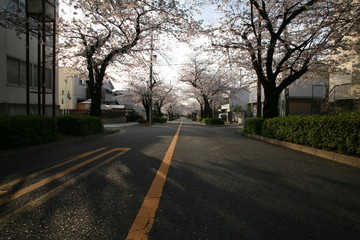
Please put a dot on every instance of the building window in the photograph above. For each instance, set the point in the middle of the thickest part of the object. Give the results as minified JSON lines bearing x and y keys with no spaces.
{"x":22,"y":71}
{"x":35,"y":76}
{"x":16,"y":74}
{"x":48,"y":78}
{"x":13,"y":71}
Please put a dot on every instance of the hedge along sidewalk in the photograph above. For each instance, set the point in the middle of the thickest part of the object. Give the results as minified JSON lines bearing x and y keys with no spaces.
{"x":63,"y":140}
{"x":337,"y":157}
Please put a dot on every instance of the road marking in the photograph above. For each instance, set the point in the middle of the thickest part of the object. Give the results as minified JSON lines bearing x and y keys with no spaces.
{"x":47,"y":180}
{"x":145,"y":218}
{"x":9,"y":184}
{"x":43,"y":198}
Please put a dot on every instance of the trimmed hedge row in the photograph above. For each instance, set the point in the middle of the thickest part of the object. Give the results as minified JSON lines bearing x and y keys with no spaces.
{"x":17,"y":131}
{"x":340,"y":133}
{"x":159,"y":120}
{"x":253,"y":126}
{"x":25,"y":130}
{"x":80,"y":125}
{"x":212,"y":121}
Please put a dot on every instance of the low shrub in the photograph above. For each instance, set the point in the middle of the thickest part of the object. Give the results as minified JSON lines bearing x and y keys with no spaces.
{"x":80,"y":125}
{"x":340,"y":133}
{"x":212,"y":121}
{"x":132,"y":116}
{"x":159,"y":120}
{"x":16,"y":131}
{"x":141,"y":120}
{"x":253,"y":125}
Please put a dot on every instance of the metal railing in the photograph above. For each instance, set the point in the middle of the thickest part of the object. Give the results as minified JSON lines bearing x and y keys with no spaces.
{"x":338,"y":92}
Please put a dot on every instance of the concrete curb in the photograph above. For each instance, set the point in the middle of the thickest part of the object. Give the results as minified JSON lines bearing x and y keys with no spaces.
{"x":344,"y":159}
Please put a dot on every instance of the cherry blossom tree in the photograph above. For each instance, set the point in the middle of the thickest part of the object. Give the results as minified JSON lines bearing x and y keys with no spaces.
{"x":160,"y":97}
{"x":281,"y":40}
{"x":139,"y":90}
{"x":97,"y":32}
{"x":208,"y":80}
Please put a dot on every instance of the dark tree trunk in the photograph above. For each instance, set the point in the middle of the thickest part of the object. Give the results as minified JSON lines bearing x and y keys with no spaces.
{"x":158,"y":106}
{"x":271,"y":103}
{"x":145,"y":102}
{"x":208,"y":113}
{"x":202,"y":115}
{"x":95,"y":95}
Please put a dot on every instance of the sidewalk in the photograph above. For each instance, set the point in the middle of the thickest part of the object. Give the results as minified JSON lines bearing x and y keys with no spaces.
{"x":353,"y":161}
{"x":116,"y":126}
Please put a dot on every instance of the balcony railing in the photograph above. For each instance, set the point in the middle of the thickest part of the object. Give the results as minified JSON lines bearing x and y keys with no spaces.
{"x":339,"y":92}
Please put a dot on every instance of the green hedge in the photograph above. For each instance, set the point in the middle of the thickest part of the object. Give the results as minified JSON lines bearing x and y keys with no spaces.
{"x":80,"y":125}
{"x":159,"y":120}
{"x":16,"y":131}
{"x":340,"y":133}
{"x":212,"y":121}
{"x":253,"y":126}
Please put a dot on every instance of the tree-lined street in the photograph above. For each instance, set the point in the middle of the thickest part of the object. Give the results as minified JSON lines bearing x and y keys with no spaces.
{"x":220,"y":185}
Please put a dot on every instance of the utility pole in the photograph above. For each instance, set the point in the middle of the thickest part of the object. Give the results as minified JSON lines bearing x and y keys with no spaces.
{"x":151,"y":78}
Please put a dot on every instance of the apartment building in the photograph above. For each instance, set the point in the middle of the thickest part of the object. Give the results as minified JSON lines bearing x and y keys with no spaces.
{"x":35,"y":92}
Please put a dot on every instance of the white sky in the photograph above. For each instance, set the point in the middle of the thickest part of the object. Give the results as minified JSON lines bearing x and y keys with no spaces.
{"x":181,"y":52}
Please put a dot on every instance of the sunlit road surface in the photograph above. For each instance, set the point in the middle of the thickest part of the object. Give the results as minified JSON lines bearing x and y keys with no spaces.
{"x":176,"y":181}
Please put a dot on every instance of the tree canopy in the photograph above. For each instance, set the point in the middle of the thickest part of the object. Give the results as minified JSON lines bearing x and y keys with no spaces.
{"x":207,"y":79}
{"x":98,"y":32}
{"x":280,"y":40}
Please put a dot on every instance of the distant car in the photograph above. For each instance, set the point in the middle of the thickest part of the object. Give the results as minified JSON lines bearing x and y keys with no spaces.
{"x":223,"y":116}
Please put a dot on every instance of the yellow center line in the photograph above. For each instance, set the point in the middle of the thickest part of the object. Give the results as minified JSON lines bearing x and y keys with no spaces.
{"x":9,"y":184}
{"x":41,"y":199}
{"x":52,"y":178}
{"x":145,"y":218}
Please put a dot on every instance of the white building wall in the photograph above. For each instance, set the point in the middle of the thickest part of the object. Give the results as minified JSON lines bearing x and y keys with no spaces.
{"x":13,"y":46}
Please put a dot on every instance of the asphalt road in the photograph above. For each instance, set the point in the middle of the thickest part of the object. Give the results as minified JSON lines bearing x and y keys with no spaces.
{"x":220,"y":185}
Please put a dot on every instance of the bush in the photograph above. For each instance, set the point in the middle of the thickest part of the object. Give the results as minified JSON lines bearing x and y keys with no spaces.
{"x":141,"y":120}
{"x":26,"y":130}
{"x":132,"y":116}
{"x":253,"y":125}
{"x":159,"y":120}
{"x":340,"y":133}
{"x":212,"y":121}
{"x":80,"y":125}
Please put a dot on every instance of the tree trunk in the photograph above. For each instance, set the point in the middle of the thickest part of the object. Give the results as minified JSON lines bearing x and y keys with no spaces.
{"x":158,"y":106}
{"x":95,"y":95}
{"x":202,"y":115}
{"x":208,"y":113}
{"x":271,"y":103}
{"x":145,"y":103}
